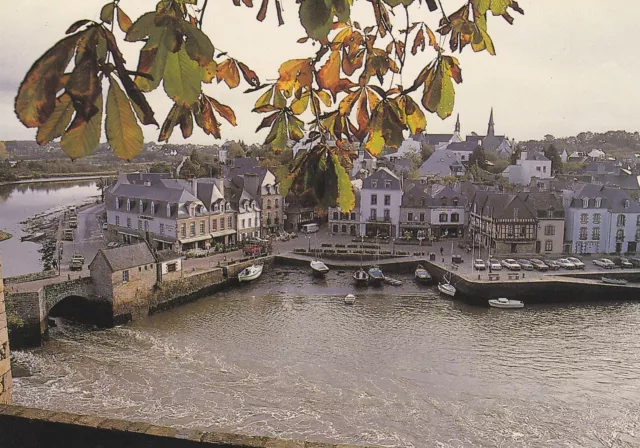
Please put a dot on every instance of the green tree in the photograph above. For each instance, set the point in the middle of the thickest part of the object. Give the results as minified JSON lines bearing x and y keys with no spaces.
{"x":426,"y":151}
{"x":515,"y":155}
{"x":478,"y":157}
{"x":101,"y":184}
{"x":235,"y":151}
{"x":339,"y":88}
{"x":552,"y":154}
{"x":160,"y":167}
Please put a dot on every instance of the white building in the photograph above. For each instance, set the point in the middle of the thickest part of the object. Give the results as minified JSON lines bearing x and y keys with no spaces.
{"x":408,"y":147}
{"x":380,"y":202}
{"x":364,"y":165}
{"x":530,"y":164}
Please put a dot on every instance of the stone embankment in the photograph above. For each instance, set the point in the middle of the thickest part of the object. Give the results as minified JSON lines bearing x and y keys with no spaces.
{"x":33,"y":277}
{"x":5,"y":366}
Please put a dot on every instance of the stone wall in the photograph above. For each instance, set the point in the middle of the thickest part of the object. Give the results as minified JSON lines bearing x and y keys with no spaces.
{"x":5,"y":366}
{"x":30,"y":277}
{"x":131,"y":299}
{"x":35,"y":428}
{"x":169,"y":294}
{"x":28,"y":311}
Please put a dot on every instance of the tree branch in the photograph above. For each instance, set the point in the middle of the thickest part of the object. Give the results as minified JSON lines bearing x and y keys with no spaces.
{"x":204,"y":7}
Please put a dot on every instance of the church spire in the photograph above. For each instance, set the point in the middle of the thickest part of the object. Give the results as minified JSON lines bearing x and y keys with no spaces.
{"x":457,"y":129}
{"x":490,"y":130}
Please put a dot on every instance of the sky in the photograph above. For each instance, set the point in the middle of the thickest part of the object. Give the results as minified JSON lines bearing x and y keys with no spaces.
{"x":562,"y":68}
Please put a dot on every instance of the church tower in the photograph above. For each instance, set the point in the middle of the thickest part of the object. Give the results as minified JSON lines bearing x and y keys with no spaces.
{"x":491,"y":130}
{"x":456,"y":137}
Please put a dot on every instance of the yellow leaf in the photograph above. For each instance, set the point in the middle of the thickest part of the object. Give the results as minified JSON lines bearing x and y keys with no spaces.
{"x":58,"y":121}
{"x":295,"y":75}
{"x":300,"y":105}
{"x":82,"y":137}
{"x":346,"y":199}
{"x":123,"y":131}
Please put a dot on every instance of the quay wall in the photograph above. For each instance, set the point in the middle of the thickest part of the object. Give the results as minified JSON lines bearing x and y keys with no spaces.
{"x":35,"y":428}
{"x":35,"y":276}
{"x":5,"y":363}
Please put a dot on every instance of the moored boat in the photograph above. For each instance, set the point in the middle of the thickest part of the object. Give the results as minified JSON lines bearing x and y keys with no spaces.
{"x":349,"y":299}
{"x":446,"y":288}
{"x":376,"y":276}
{"x":392,"y":281}
{"x":33,"y":237}
{"x":422,"y":275}
{"x":614,"y":281}
{"x":361,"y":277}
{"x":319,"y":268}
{"x":250,"y":273}
{"x":503,"y":302}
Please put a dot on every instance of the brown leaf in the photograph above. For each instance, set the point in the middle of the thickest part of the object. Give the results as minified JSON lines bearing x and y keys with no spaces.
{"x":57,"y":122}
{"x":206,"y":119}
{"x":124,"y":22}
{"x":225,"y":111}
{"x":267,"y":121}
{"x":249,"y":75}
{"x":228,"y":72}
{"x":262,"y":12}
{"x":186,"y":124}
{"x":418,"y":41}
{"x":296,"y":76}
{"x":329,"y":76}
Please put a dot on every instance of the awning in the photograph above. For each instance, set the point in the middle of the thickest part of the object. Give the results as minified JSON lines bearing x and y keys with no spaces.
{"x":137,"y":235}
{"x":164,"y":239}
{"x":194,"y":239}
{"x":222,"y":233}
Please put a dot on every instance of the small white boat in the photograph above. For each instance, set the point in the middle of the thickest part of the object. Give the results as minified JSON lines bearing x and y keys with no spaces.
{"x":250,"y":273}
{"x":392,"y":281}
{"x":349,"y":299}
{"x":505,"y":303}
{"x":361,"y":277}
{"x":614,"y":281}
{"x":376,"y":276}
{"x":422,"y":275}
{"x":447,"y":288}
{"x":318,"y":267}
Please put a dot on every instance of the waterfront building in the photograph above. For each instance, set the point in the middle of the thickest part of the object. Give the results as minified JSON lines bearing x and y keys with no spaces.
{"x":529,"y":165}
{"x":601,"y":220}
{"x":341,"y":223}
{"x":380,"y":203}
{"x":169,"y":265}
{"x":298,"y":212}
{"x":247,"y":211}
{"x":550,"y":218}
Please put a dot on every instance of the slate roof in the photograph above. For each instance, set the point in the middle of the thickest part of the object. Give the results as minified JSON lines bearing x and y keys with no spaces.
{"x":127,"y":257}
{"x":141,"y":178}
{"x":612,"y":199}
{"x":546,"y":204}
{"x":496,"y":204}
{"x":623,"y":181}
{"x":535,"y":155}
{"x":381,"y":176}
{"x":432,"y":139}
{"x":462,"y":146}
{"x":439,"y":163}
{"x":166,"y":255}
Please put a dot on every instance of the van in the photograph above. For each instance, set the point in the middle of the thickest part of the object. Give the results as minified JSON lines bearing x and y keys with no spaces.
{"x":67,"y":235}
{"x":310,"y":228}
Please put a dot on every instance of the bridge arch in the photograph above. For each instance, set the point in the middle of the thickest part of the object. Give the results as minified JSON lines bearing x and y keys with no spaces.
{"x":83,"y":310}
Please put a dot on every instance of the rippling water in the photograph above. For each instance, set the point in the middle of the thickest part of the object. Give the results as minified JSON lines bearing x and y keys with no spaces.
{"x":402,"y":367}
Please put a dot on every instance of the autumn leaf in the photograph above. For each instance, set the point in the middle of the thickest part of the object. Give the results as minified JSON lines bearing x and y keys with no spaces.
{"x":228,"y":72}
{"x":329,"y":76}
{"x":418,"y":42}
{"x":106,"y":14}
{"x":199,"y":46}
{"x":439,"y":94}
{"x":82,"y":137}
{"x":57,"y":122}
{"x":316,"y":16}
{"x":172,"y":120}
{"x":206,"y":119}
{"x":123,"y":131}
{"x":412,"y":115}
{"x":346,"y":199}
{"x":124,"y":22}
{"x":225,"y":111}
{"x":182,"y":77}
{"x":296,"y":76}
{"x":249,"y":75}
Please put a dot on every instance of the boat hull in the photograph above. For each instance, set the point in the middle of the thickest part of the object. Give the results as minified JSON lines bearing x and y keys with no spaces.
{"x":249,"y":274}
{"x":447,"y":290}
{"x":510,"y":305}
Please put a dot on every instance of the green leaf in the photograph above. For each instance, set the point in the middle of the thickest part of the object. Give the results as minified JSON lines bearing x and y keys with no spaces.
{"x":182,"y":78}
{"x":394,"y":3}
{"x":278,"y":134}
{"x":106,"y":15}
{"x":316,"y":16}
{"x":82,"y":137}
{"x":36,"y":97}
{"x":199,"y":46}
{"x":123,"y":131}
{"x":153,"y":60}
{"x":173,"y":118}
{"x":142,"y":28}
{"x":342,"y":9}
{"x":346,"y":199}
{"x":58,"y":121}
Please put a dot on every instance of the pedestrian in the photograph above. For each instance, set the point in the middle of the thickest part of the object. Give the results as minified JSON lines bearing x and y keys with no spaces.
{"x":489,"y":267}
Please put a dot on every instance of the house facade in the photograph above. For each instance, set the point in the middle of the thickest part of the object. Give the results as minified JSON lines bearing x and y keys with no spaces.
{"x":530,"y":164}
{"x":380,"y":202}
{"x":550,"y":215}
{"x":341,"y":223}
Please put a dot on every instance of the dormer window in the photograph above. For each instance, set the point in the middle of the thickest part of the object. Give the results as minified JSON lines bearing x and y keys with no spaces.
{"x":455,"y":201}
{"x":585,"y":202}
{"x":443,"y":201}
{"x":626,"y":203}
{"x":117,"y":203}
{"x":387,"y":184}
{"x":140,"y":206}
{"x":228,"y":206}
{"x":598,"y":202}
{"x":153,"y":208}
{"x":168,"y":210}
{"x":128,"y":205}
{"x":374,"y":184}
{"x":215,"y":207}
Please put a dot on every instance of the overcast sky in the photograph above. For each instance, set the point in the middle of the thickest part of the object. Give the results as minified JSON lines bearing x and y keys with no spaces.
{"x":562,"y":68}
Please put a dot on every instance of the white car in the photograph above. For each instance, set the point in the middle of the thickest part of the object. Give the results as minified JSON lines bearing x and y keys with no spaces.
{"x":565,"y":263}
{"x":604,"y":263}
{"x":576,"y":262}
{"x":494,"y":264}
{"x":479,"y":265}
{"x":511,"y":264}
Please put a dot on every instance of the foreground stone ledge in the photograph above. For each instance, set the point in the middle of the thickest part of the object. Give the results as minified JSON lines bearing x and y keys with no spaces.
{"x":30,"y":428}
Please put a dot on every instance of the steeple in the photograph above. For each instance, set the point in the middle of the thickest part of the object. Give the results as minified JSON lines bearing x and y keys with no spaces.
{"x":457,"y":129}
{"x":490,"y":130}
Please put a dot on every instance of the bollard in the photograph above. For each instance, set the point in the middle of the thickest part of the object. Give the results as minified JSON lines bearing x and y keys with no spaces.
{"x":523,"y":275}
{"x":478,"y":276}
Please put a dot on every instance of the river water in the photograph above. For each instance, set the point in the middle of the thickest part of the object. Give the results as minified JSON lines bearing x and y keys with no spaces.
{"x":402,"y":367}
{"x":21,"y":201}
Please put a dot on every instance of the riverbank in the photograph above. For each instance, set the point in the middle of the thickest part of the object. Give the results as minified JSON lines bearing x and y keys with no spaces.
{"x":60,"y":178}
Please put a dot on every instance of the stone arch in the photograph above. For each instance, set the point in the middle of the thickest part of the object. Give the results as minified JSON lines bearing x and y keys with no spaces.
{"x":81,"y":309}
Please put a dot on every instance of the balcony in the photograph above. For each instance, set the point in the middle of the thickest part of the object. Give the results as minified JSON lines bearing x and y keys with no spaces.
{"x":619,"y":238}
{"x":384,"y":219}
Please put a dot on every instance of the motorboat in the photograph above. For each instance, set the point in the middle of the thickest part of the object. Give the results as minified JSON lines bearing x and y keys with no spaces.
{"x":422,"y":275}
{"x":446,"y":288}
{"x":361,"y":277}
{"x":33,"y":237}
{"x":349,"y":299}
{"x":376,"y":276}
{"x":250,"y":273}
{"x":392,"y":281}
{"x":319,"y":268}
{"x":614,"y":281}
{"x":503,"y":302}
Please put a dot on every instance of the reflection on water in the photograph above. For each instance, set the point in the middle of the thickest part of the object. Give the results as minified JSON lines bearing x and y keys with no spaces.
{"x":402,"y":367}
{"x":21,"y":201}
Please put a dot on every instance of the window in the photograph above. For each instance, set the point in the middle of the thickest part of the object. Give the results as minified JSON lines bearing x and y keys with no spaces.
{"x":537,"y":168}
{"x":443,"y":217}
{"x":161,"y":229}
{"x":374,"y":183}
{"x":387,"y":213}
{"x":117,"y":203}
{"x":140,"y":206}
{"x":583,"y":233}
{"x":550,"y":230}
{"x":455,"y":201}
{"x":596,"y":218}
{"x":387,"y":199}
{"x":353,"y":216}
{"x":620,"y":235}
{"x":595,"y":234}
{"x":214,"y":225}
{"x":443,"y":201}
{"x":455,"y":217}
{"x":344,"y":228}
{"x":117,"y":220}
{"x":523,"y":231}
{"x":230,"y":222}
{"x":544,"y":169}
{"x":192,"y":229}
{"x":548,"y":245}
{"x":139,"y":224}
{"x":638,"y":234}
{"x":153,"y":208}
{"x":249,"y":222}
{"x":374,"y":199}
{"x":268,"y":203}
{"x":335,"y":216}
{"x":183,"y":230}
{"x":409,"y":216}
{"x":626,"y":203}
{"x":374,"y":214}
{"x":168,"y":210}
{"x":275,"y":203}
{"x":335,"y":228}
{"x":128,"y":205}
{"x":387,"y":184}
{"x":146,"y":226}
{"x":202,"y":227}
{"x":584,"y":218}
{"x":215,"y":207}
{"x":172,"y":267}
{"x":515,"y":213}
{"x":622,"y":219}
{"x":422,"y":202}
{"x":585,"y":202}
{"x":422,"y":217}
{"x":222,"y":223}
{"x":243,"y":224}
{"x":140,"y":268}
{"x":125,"y":276}
{"x":129,"y":223}
{"x":598,"y":202}
{"x":638,"y":220}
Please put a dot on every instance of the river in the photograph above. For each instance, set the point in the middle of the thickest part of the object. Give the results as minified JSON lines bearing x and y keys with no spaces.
{"x":21,"y":201}
{"x":402,"y":367}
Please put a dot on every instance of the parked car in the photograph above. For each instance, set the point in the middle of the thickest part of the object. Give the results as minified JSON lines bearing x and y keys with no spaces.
{"x":604,"y":263}
{"x":67,"y":235}
{"x":576,"y":261}
{"x":105,"y":226}
{"x":525,"y":264}
{"x":539,"y":265}
{"x":77,"y":258}
{"x":553,"y":265}
{"x":494,"y":264}
{"x":565,"y":263}
{"x":457,"y":259}
{"x":635,"y":261}
{"x":511,"y":264}
{"x":75,"y":266}
{"x":479,"y":265}
{"x":622,"y":262}
{"x":112,"y":245}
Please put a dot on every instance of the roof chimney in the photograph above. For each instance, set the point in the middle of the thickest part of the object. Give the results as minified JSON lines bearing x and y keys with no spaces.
{"x":251,"y":183}
{"x":194,"y":186}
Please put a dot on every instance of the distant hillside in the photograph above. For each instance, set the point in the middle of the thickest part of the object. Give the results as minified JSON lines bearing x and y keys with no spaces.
{"x":613,"y":143}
